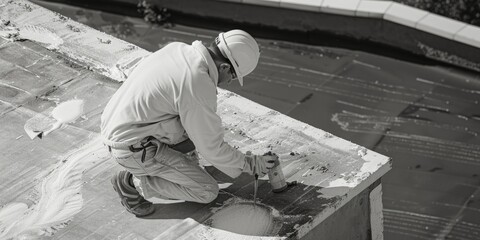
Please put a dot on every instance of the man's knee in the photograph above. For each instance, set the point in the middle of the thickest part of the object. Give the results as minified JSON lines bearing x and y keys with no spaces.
{"x":209,"y":194}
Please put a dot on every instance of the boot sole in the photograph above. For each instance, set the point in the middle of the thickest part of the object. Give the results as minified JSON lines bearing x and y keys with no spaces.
{"x":124,"y":199}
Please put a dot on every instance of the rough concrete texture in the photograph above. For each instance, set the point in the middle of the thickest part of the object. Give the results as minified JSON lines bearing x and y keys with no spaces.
{"x":376,"y":213}
{"x":351,"y":221}
{"x":92,"y":48}
{"x":423,"y":115}
{"x":59,"y":186}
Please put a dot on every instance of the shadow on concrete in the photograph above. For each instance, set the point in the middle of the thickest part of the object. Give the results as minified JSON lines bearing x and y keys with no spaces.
{"x":299,"y":204}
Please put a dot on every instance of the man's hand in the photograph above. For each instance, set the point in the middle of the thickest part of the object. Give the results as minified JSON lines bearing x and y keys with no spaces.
{"x":256,"y":164}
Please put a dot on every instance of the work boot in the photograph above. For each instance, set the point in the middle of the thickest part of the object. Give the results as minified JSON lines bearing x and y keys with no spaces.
{"x":130,"y":198}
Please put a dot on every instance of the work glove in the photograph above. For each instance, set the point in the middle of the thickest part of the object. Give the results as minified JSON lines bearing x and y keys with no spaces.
{"x":257,"y":164}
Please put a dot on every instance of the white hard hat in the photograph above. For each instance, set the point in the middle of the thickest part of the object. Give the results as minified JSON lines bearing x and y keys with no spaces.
{"x":242,"y":51}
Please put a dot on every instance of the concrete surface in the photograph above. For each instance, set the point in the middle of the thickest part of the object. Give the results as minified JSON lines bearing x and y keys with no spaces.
{"x":425,"y":116}
{"x":56,"y":187}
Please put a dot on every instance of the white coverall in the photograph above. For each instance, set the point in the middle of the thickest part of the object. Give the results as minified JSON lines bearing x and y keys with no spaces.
{"x":171,"y":95}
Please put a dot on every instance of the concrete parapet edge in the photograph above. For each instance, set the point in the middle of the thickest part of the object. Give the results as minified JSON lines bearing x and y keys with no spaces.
{"x":404,"y":15}
{"x":469,"y":35}
{"x":370,"y":21}
{"x":272,"y":3}
{"x":343,"y":7}
{"x":376,"y":217}
{"x":306,"y":5}
{"x":388,"y":10}
{"x":372,"y":8}
{"x":440,"y":25}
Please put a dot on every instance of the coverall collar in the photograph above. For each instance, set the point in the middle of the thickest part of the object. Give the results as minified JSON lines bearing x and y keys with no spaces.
{"x":212,"y":68}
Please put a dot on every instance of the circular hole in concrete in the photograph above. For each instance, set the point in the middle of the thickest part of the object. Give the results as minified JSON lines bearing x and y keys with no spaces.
{"x":247,"y":219}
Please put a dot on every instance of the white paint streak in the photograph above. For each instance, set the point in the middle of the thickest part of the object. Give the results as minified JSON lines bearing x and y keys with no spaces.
{"x":68,"y":111}
{"x":33,"y":33}
{"x":64,"y":113}
{"x":41,"y":35}
{"x":244,"y":219}
{"x":60,"y":199}
{"x":447,"y":86}
{"x":317,"y":72}
{"x":278,"y":65}
{"x":366,"y":64}
{"x":43,"y":58}
{"x":342,"y":181}
{"x":16,"y":88}
{"x":179,"y":32}
{"x":424,"y":80}
{"x":361,"y":107}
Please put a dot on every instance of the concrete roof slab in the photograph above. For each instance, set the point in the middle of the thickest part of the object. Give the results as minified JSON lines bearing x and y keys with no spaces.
{"x":330,"y":170}
{"x":403,"y":14}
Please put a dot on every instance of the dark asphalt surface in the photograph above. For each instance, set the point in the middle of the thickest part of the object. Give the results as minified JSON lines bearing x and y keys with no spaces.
{"x":425,"y":117}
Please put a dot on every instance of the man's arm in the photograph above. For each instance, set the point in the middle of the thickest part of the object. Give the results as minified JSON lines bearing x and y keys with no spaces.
{"x":204,"y":127}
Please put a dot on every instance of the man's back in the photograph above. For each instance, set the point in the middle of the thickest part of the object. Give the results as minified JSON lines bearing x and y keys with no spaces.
{"x":148,"y":102}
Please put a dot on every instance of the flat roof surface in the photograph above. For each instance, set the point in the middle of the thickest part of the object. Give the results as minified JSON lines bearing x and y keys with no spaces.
{"x":425,"y":117}
{"x":59,"y":186}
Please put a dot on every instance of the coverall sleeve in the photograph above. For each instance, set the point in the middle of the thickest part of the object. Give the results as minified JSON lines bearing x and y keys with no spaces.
{"x":204,"y":127}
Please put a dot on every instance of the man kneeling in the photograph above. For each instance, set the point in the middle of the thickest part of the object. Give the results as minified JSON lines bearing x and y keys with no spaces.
{"x":166,"y":111}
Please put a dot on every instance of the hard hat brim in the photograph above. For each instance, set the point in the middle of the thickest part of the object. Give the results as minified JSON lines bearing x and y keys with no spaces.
{"x":226,"y":50}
